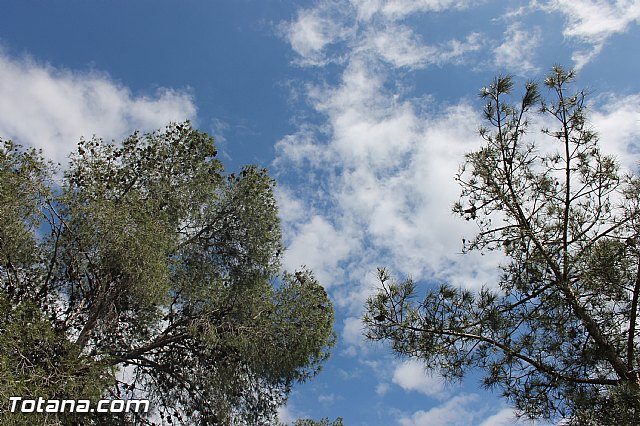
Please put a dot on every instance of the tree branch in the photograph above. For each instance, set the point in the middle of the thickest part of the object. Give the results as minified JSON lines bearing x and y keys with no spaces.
{"x":539,"y":366}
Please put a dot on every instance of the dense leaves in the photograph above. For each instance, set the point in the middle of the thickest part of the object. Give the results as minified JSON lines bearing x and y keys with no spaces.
{"x":558,"y":334}
{"x":150,"y":273}
{"x":323,"y":422}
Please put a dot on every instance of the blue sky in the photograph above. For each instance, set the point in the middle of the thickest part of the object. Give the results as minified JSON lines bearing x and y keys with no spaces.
{"x":362,"y":110}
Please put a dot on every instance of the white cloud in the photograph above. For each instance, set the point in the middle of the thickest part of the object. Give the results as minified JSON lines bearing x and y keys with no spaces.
{"x":319,"y":246}
{"x":454,"y":412}
{"x":398,"y":9}
{"x":382,"y":389}
{"x":504,"y":417}
{"x":316,"y":28}
{"x":372,"y":29}
{"x":378,"y":161}
{"x":329,"y":399}
{"x":352,"y":336}
{"x":377,"y":175}
{"x":51,"y":108}
{"x":594,"y":21}
{"x":519,"y":45}
{"x":383,"y":169}
{"x":309,"y":33}
{"x":299,"y":148}
{"x":507,"y":417}
{"x":369,"y":171}
{"x":390,"y":157}
{"x":290,"y":208}
{"x":352,"y":331}
{"x":287,"y":414}
{"x":412,"y":376}
{"x":617,"y":122}
{"x":400,"y":46}
{"x":466,"y":409}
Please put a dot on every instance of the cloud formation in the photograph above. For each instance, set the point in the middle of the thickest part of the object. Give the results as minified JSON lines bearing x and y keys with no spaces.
{"x":411,"y":376}
{"x":382,"y":163}
{"x":373,"y":170}
{"x":504,"y":417}
{"x":465,"y":409}
{"x":387,"y":187}
{"x":333,"y":31}
{"x":593,"y":22}
{"x":515,"y":51}
{"x":454,"y":412}
{"x":314,"y":30}
{"x":617,"y":123}
{"x":399,"y":9}
{"x":51,"y":108}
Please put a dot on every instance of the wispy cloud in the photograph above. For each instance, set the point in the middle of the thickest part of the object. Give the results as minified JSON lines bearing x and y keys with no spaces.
{"x":617,"y":122}
{"x":466,"y":409}
{"x":317,"y":28}
{"x":311,"y":246}
{"x":373,"y":171}
{"x":393,"y":184}
{"x":378,"y":157}
{"x":51,"y":108}
{"x":514,"y":54}
{"x":372,"y":29}
{"x":401,"y":47}
{"x":399,"y":9}
{"x":288,"y":414}
{"x":382,"y":165}
{"x":593,"y":22}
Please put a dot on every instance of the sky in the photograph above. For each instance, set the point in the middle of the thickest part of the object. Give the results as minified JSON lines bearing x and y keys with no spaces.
{"x":362,"y":110}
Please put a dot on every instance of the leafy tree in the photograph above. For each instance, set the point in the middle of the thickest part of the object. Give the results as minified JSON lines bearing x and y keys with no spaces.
{"x":148,"y":273}
{"x":322,"y":422}
{"x":558,"y":333}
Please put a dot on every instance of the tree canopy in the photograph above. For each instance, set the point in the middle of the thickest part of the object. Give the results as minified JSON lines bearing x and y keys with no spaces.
{"x":558,"y":333}
{"x":150,"y":273}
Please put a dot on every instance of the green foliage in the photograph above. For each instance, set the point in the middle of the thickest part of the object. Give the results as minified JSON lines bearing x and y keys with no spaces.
{"x":36,"y":361}
{"x":558,"y":334}
{"x":149,"y":260}
{"x":24,"y":179}
{"x":323,"y":422}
